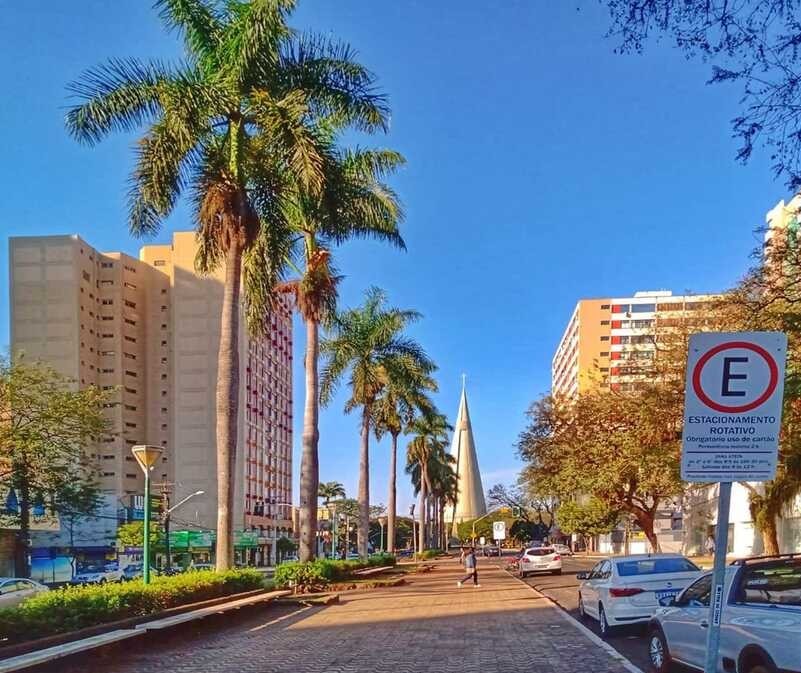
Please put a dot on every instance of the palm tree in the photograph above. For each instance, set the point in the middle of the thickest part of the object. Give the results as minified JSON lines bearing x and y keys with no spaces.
{"x":235,"y":124}
{"x":330,"y":490}
{"x":444,"y":489}
{"x":353,"y":203}
{"x":369,"y":342}
{"x":402,"y":399}
{"x":426,"y":449}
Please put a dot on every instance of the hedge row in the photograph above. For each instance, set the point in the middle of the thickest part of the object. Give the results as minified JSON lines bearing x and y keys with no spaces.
{"x":73,"y":608}
{"x":323,"y":571}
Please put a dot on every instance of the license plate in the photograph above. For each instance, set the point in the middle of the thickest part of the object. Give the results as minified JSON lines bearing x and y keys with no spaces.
{"x":665,"y":595}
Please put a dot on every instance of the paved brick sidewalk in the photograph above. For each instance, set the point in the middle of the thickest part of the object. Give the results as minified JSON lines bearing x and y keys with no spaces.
{"x":429,"y":625}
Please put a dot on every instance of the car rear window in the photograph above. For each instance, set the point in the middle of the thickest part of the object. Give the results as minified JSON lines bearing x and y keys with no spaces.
{"x":655,"y":566}
{"x":774,"y":584}
{"x":540,"y":551}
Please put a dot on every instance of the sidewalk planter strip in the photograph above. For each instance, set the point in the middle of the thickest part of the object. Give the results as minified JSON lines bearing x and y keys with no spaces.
{"x":324,"y":571}
{"x":75,"y":608}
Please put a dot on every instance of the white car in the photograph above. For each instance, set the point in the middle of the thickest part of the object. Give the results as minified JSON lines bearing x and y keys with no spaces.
{"x":14,"y":590}
{"x":98,"y":574}
{"x":563,"y":549}
{"x":629,"y":589}
{"x":760,"y":624}
{"x":540,"y":560}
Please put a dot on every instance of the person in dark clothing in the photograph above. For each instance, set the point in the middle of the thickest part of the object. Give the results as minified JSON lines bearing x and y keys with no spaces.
{"x":471,"y":566}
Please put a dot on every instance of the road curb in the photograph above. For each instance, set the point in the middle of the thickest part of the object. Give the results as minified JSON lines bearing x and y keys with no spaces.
{"x":611,"y":651}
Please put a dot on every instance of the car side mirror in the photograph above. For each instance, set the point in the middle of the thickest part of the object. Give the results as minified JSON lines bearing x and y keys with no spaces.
{"x":582,"y":576}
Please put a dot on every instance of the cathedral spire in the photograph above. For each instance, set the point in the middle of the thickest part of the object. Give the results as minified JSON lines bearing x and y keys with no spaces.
{"x":470,"y":499}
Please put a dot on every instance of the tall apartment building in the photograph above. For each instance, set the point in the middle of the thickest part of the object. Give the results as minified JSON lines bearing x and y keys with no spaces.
{"x":613,"y":342}
{"x":149,"y":329}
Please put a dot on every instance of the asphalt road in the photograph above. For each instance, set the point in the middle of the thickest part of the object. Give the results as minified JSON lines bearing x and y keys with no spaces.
{"x":563,"y":589}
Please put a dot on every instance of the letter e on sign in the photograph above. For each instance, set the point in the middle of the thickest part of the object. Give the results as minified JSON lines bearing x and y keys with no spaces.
{"x":733,"y":406}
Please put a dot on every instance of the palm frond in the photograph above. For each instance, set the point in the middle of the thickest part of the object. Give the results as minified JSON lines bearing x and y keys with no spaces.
{"x":119,"y":95}
{"x":199,"y":24}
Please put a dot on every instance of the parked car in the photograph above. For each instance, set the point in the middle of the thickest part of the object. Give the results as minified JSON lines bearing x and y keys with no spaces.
{"x":14,"y":590}
{"x":760,"y":625}
{"x":136,"y":570}
{"x":539,"y":560}
{"x":563,"y":549}
{"x":98,"y":574}
{"x":628,"y":589}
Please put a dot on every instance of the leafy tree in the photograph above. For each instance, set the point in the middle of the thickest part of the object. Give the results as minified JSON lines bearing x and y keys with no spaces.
{"x":425,"y":454}
{"x":535,"y":510}
{"x":586,"y":519}
{"x":132,"y":534}
{"x":45,"y":427}
{"x":353,"y":203}
{"x":330,"y":490}
{"x":284,"y":546}
{"x":622,"y":448}
{"x":769,"y":298}
{"x":751,"y":43}
{"x":369,"y":343}
{"x":404,"y":396}
{"x":236,"y":124}
{"x":483,"y":527}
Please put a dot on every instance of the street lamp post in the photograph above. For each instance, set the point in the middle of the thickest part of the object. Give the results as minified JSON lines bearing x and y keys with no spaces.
{"x":146,"y":456}
{"x":382,"y":522}
{"x":166,"y":517}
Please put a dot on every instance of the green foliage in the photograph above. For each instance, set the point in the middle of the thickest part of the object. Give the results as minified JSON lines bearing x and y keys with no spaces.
{"x":592,"y":518}
{"x":428,"y":554}
{"x":73,"y":608}
{"x":132,"y":534}
{"x":324,"y":571}
{"x":330,"y":490}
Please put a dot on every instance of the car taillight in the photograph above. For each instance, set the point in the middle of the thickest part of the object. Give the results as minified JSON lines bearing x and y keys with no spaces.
{"x":626,"y":591}
{"x":557,"y":557}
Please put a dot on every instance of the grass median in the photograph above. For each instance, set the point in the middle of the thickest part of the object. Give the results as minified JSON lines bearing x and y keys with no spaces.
{"x":73,"y":608}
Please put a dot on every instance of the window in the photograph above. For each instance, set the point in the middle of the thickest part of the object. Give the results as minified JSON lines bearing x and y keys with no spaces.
{"x":130,"y":304}
{"x":655,"y":566}
{"x":107,"y":265}
{"x":601,"y":570}
{"x":106,"y":371}
{"x":130,"y":373}
{"x":604,"y":369}
{"x":107,"y":335}
{"x":130,"y":338}
{"x":107,"y":302}
{"x":129,"y":268}
{"x":774,"y":583}
{"x":163,"y":308}
{"x":87,"y":278}
{"x":164,"y":291}
{"x":163,"y":343}
{"x":130,"y":476}
{"x":604,"y":354}
{"x":620,"y":308}
{"x":163,"y":410}
{"x":130,"y":425}
{"x":111,"y":457}
{"x":604,"y":338}
{"x":130,"y":356}
{"x":130,"y":286}
{"x":109,"y":353}
{"x":643,"y":308}
{"x":130,"y":390}
{"x":604,"y":322}
{"x":130,"y":407}
{"x":128,"y":321}
{"x":107,"y":283}
{"x":604,"y":307}
{"x":159,"y":262}
{"x":163,"y":326}
{"x":107,"y":317}
{"x":697,"y":594}
{"x":108,"y":474}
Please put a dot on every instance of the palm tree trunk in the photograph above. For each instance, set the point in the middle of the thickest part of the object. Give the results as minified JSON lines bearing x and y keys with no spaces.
{"x":421,"y":546}
{"x":309,"y":462}
{"x":393,"y":482}
{"x":228,"y":405}
{"x":364,"y":484}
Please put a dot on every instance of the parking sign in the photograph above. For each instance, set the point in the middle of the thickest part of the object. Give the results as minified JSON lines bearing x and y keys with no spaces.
{"x":733,"y":406}
{"x":499,"y":530}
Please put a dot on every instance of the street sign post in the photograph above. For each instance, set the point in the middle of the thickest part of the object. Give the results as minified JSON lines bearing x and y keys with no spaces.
{"x":732,"y":417}
{"x":499,"y":530}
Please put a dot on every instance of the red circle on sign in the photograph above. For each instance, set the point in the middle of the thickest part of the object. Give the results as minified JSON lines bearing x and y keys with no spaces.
{"x":774,"y":377}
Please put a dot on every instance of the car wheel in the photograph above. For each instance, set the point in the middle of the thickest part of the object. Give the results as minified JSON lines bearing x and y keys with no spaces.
{"x":603,"y":625}
{"x":556,"y":572}
{"x":581,"y":611}
{"x":658,"y":651}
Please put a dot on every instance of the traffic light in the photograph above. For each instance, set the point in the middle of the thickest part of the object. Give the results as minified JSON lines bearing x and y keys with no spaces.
{"x":516,"y":511}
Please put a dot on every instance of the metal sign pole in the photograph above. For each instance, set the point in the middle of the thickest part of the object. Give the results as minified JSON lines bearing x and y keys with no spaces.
{"x":718,"y":578}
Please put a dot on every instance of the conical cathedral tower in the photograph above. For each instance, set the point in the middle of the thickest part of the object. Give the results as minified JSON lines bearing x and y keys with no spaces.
{"x":470,"y":499}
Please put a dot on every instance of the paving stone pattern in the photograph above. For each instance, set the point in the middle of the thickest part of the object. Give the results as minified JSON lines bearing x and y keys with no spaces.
{"x":427,"y":625}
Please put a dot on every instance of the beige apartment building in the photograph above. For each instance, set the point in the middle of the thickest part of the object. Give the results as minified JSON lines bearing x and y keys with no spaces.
{"x":148,"y":329}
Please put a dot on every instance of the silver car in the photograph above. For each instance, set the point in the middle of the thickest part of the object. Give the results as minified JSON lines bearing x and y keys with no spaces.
{"x":760,"y":626}
{"x":14,"y":590}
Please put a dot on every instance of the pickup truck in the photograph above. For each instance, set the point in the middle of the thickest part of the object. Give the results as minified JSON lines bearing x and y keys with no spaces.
{"x":760,"y":629}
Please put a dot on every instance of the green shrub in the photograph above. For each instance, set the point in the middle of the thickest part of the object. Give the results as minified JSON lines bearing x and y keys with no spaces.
{"x":324,"y":571}
{"x":72,"y":608}
{"x":429,"y":554}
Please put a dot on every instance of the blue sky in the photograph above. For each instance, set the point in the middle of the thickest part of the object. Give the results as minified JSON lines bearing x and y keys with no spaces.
{"x":542,"y":168}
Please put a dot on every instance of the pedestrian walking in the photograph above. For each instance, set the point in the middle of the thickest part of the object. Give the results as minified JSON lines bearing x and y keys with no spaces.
{"x":461,"y":555}
{"x":471,"y":566}
{"x":710,"y":545}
